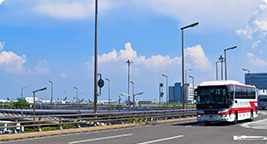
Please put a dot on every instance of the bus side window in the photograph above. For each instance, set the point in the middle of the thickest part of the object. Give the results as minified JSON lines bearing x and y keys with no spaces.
{"x":231,"y":94}
{"x":249,"y":93}
{"x":244,"y":93}
{"x":238,"y":92}
{"x":253,"y":93}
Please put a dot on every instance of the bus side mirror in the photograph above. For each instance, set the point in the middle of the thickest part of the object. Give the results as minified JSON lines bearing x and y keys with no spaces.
{"x":195,"y":97}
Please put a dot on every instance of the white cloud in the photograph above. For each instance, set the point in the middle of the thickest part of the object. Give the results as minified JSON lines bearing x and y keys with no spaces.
{"x":255,"y":44}
{"x":261,"y":51}
{"x":199,"y":58}
{"x":63,"y":75}
{"x":12,"y":61}
{"x":42,"y":67}
{"x":195,"y":54}
{"x":1,"y":1}
{"x":72,"y":9}
{"x":210,"y":13}
{"x":2,"y":43}
{"x":256,"y":61}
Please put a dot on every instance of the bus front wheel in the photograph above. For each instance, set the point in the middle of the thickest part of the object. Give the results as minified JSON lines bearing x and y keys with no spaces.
{"x":236,"y":118}
{"x":251,"y":115}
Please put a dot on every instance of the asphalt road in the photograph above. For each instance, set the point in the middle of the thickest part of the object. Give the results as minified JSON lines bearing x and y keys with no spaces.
{"x":172,"y":133}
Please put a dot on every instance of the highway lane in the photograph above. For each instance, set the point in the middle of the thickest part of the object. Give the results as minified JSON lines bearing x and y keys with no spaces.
{"x":183,"y":132}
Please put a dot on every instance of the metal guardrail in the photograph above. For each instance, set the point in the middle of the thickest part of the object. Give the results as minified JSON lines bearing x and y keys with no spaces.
{"x":88,"y":107}
{"x":87,"y":120}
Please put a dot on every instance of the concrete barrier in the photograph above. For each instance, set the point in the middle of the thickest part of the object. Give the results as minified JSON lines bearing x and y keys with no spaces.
{"x":87,"y":129}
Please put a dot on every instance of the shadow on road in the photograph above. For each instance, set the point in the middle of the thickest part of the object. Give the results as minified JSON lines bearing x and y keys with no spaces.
{"x":211,"y":125}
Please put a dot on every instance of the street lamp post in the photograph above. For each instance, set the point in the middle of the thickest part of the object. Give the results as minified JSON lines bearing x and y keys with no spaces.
{"x":129,"y":63}
{"x":225,"y":59}
{"x":22,"y":100}
{"x":123,"y":94}
{"x":192,"y":25}
{"x":42,"y":89}
{"x":108,"y":90}
{"x":193,"y":87}
{"x":167,"y":85}
{"x":95,"y":71}
{"x":79,"y":100}
{"x":248,"y":74}
{"x":77,"y":96}
{"x":133,"y":96}
{"x":186,"y":86}
{"x":217,"y":69}
{"x":51,"y":94}
{"x":221,"y":58}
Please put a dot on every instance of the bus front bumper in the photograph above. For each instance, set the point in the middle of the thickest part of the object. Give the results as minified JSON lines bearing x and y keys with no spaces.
{"x":213,"y":118}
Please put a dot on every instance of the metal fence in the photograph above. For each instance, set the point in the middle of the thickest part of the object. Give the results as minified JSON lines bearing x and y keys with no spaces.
{"x":100,"y":107}
{"x":88,"y":120}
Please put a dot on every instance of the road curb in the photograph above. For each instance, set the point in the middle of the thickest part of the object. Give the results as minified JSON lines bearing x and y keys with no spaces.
{"x":88,"y":129}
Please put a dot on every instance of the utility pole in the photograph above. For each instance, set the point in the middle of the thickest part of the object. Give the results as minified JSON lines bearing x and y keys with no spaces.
{"x":188,"y":26}
{"x":95,"y":72}
{"x":221,"y":58}
{"x":22,"y":100}
{"x":129,"y":63}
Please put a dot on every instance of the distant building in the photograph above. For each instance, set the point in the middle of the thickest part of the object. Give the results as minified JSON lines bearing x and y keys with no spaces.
{"x":257,"y":79}
{"x":175,"y":93}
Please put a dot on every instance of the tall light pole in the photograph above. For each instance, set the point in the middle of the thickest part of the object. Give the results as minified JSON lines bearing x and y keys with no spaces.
{"x":225,"y":59}
{"x":95,"y":72}
{"x":248,"y":74}
{"x":217,"y":69}
{"x":108,"y":90}
{"x":42,"y":89}
{"x":186,"y":86}
{"x":22,"y":100}
{"x":221,"y":58}
{"x":79,"y":100}
{"x":77,"y":96}
{"x":123,"y":94}
{"x":133,"y":96}
{"x":64,"y":93}
{"x":167,"y":85}
{"x":129,"y":63}
{"x":192,"y":25}
{"x":51,"y":94}
{"x":193,"y":87}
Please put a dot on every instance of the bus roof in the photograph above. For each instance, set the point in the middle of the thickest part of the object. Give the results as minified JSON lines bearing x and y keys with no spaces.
{"x":221,"y":83}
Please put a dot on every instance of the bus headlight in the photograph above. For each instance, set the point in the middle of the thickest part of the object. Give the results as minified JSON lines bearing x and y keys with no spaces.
{"x":199,"y":116}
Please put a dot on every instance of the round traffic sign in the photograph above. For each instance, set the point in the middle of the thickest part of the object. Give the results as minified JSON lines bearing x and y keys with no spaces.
{"x":100,"y":83}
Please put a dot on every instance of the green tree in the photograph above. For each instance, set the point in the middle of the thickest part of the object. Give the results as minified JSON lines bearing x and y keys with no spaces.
{"x":18,"y":104}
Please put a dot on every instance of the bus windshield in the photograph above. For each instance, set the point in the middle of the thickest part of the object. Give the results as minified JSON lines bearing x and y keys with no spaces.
{"x":212,"y":95}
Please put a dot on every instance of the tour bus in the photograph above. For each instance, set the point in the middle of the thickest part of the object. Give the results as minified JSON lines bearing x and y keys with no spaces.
{"x":225,"y":101}
{"x":262,"y":99}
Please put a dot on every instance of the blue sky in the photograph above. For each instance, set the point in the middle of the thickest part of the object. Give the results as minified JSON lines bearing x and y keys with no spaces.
{"x":46,"y":40}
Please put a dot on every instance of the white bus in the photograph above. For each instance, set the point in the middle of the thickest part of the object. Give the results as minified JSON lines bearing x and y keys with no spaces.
{"x":228,"y":101}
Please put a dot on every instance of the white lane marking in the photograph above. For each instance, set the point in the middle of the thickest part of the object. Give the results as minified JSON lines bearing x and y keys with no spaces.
{"x":97,"y":139}
{"x":83,"y":133}
{"x":164,"y":139}
{"x":244,"y":137}
{"x":64,"y":135}
{"x":248,"y":123}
